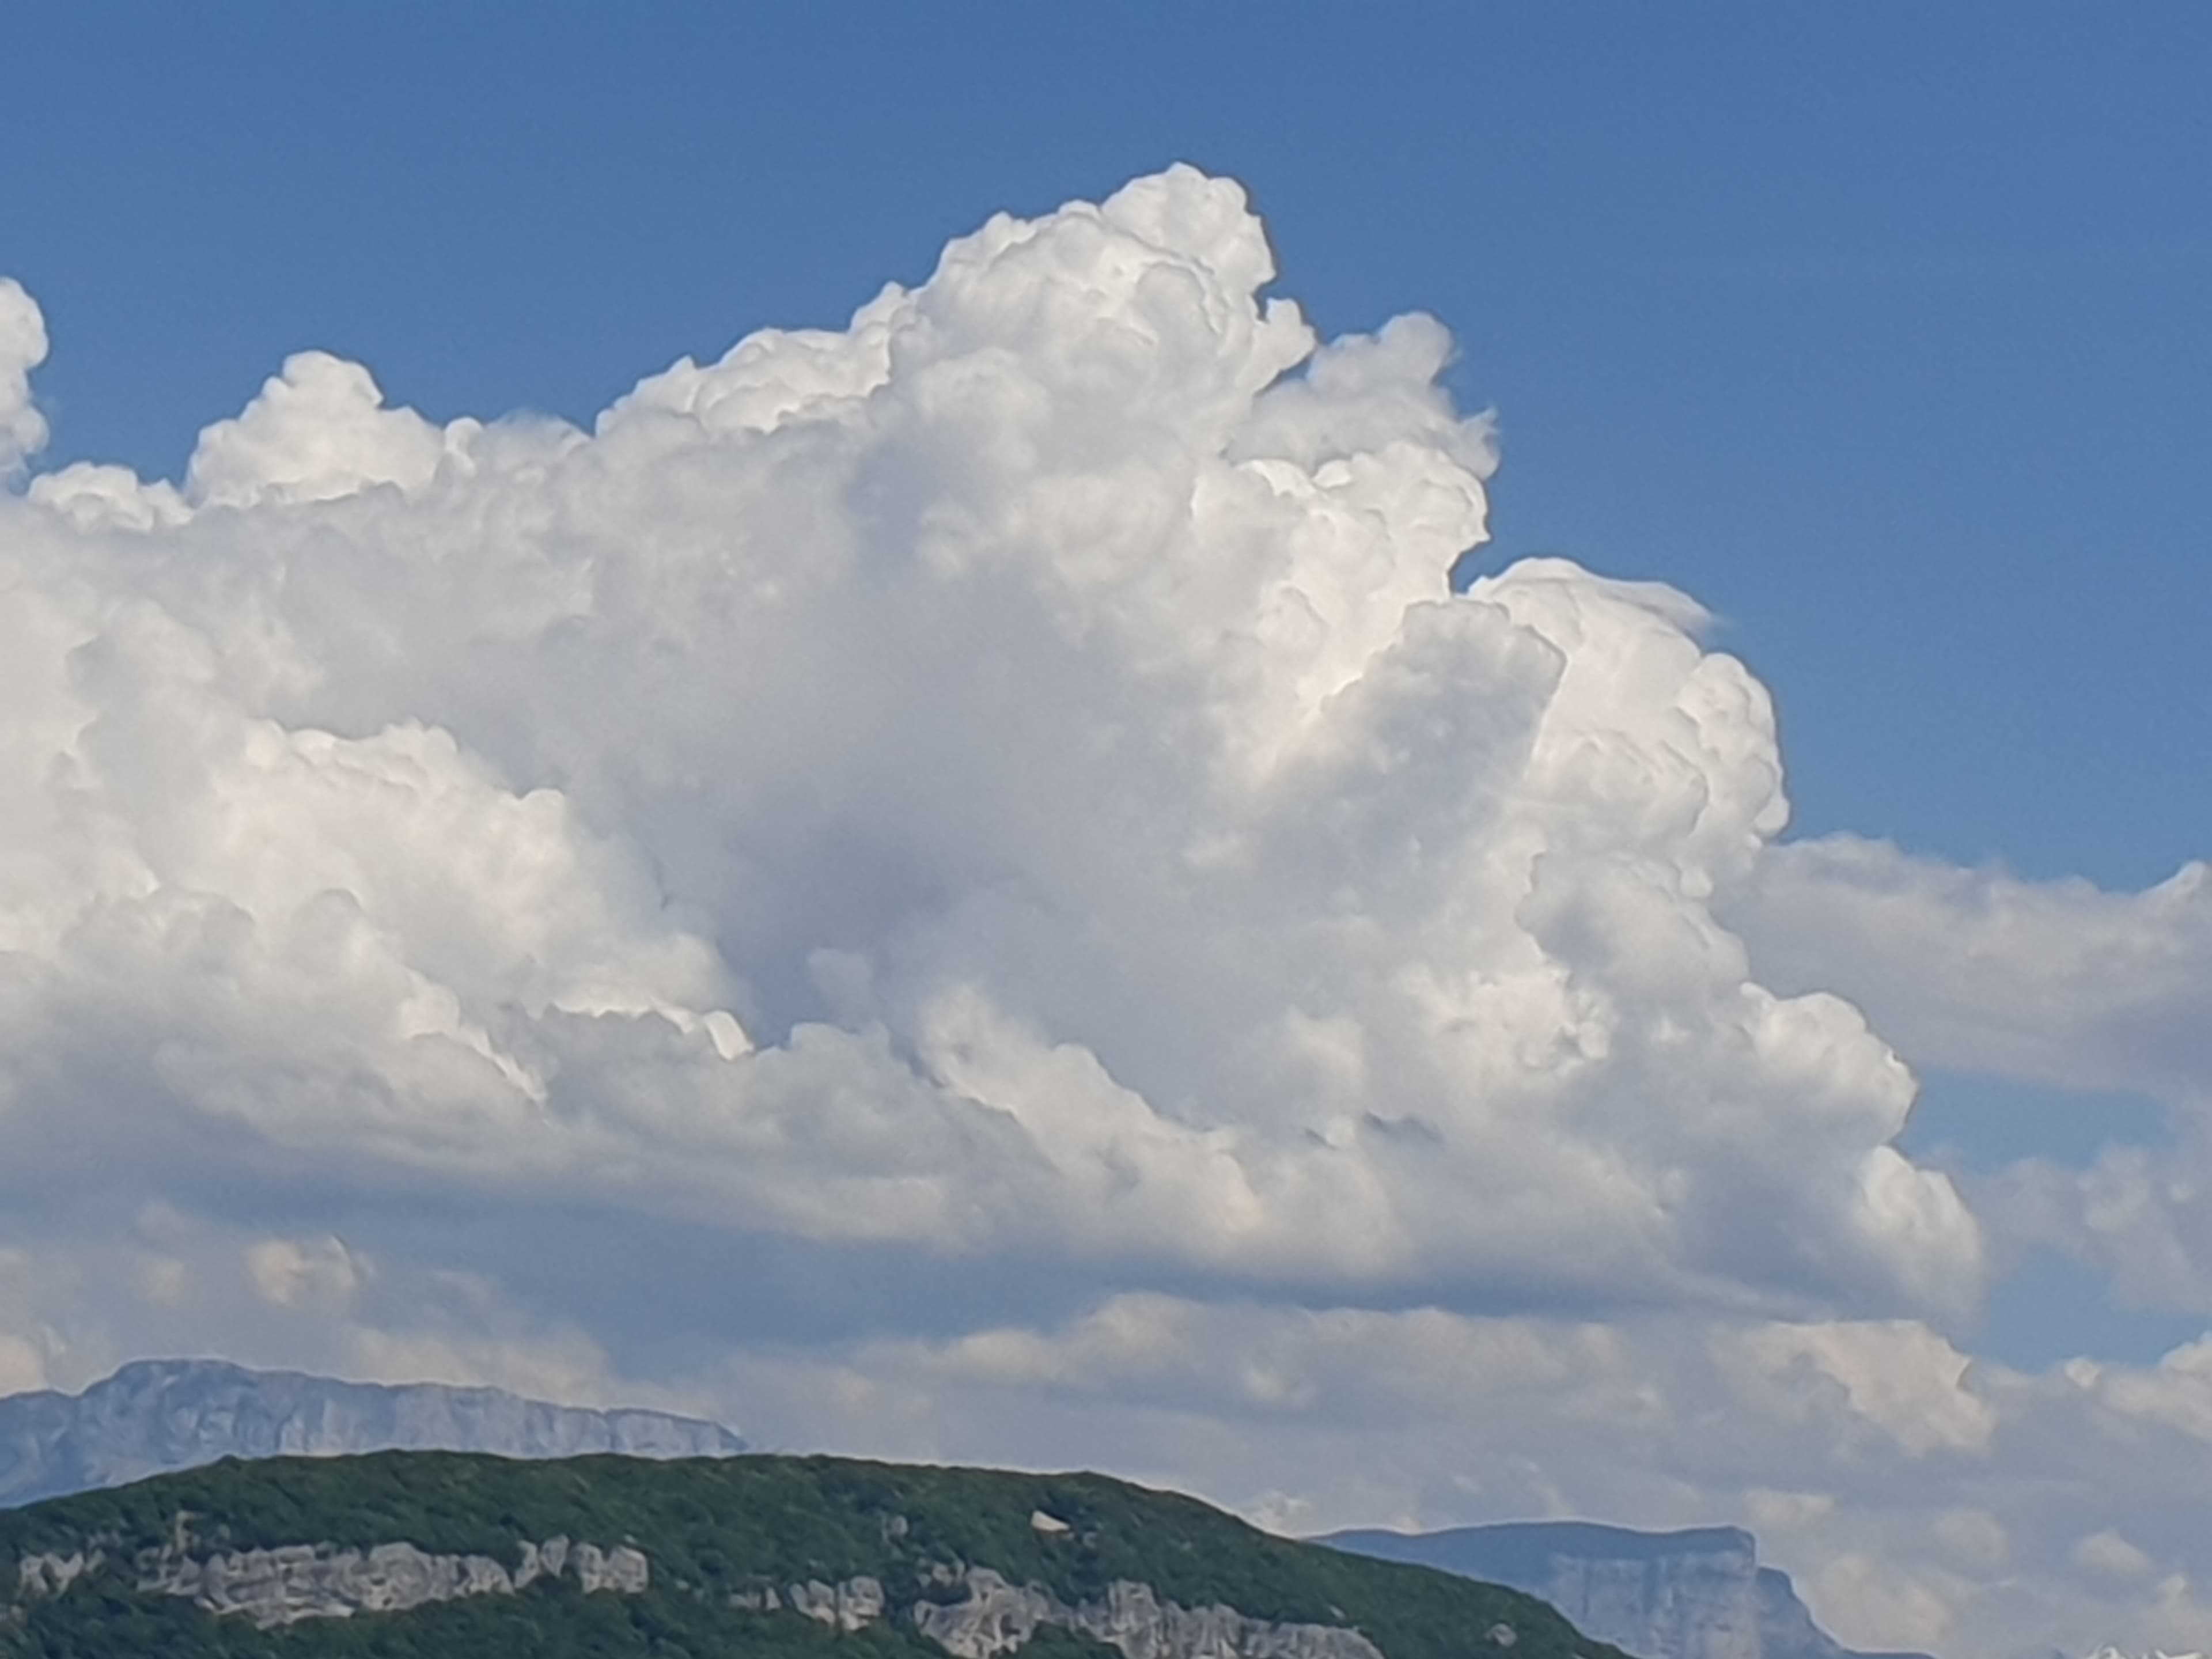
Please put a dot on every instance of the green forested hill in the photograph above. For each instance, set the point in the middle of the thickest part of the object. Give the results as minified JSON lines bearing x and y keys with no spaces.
{"x":727,"y":1542}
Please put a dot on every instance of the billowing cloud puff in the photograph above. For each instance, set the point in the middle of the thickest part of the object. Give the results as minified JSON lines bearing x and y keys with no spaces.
{"x":23,"y":348}
{"x":1009,"y":773}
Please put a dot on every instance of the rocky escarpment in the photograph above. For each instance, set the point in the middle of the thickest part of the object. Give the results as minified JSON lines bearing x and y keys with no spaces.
{"x":284,"y":1585}
{"x":163,"y":1414}
{"x":996,"y":1617}
{"x":1698,"y":1594}
{"x":178,"y":1414}
{"x":273,"y":1588}
{"x":852,"y":1605}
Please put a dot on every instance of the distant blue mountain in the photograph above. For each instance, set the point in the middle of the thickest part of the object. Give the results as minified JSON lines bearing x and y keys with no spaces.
{"x":1698,"y":1594}
{"x":162,"y":1414}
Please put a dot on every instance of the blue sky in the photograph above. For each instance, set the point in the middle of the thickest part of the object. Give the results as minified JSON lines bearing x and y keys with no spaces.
{"x":1879,"y":330}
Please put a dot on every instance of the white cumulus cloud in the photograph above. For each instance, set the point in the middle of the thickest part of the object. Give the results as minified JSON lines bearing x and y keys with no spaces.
{"x":1009,"y":773}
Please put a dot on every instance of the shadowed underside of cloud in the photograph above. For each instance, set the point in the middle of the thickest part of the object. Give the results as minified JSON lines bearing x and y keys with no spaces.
{"x":1003,"y":785}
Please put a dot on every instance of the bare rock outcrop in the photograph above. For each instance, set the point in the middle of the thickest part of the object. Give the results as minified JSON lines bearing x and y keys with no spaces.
{"x":622,"y":1570}
{"x":51,"y":1574}
{"x":852,"y":1605}
{"x":998,"y":1618}
{"x":284,"y":1585}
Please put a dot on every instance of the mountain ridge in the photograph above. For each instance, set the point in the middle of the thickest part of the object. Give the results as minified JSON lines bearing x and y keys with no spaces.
{"x":154,"y":1416}
{"x":1697,"y":1593}
{"x":603,"y":1557}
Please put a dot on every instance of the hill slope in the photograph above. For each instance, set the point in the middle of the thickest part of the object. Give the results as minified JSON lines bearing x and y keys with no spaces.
{"x":1698,"y":1593}
{"x":162,"y":1414}
{"x":426,"y":1554}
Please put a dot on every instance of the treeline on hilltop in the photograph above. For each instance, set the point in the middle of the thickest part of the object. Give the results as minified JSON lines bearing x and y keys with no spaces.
{"x":718,"y":1533}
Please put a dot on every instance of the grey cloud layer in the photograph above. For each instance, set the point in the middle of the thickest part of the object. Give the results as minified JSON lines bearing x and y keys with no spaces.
{"x":1004,"y":787}
{"x":2050,"y":982}
{"x":2056,"y":982}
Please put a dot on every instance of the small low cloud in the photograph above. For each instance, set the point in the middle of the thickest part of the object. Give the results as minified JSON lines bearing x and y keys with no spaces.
{"x":23,"y":348}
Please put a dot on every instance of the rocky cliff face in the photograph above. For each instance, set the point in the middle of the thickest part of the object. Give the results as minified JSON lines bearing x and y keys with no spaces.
{"x":273,"y":1587}
{"x":279,"y":1587}
{"x":997,"y":1617}
{"x":160,"y":1415}
{"x":1700,"y":1593}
